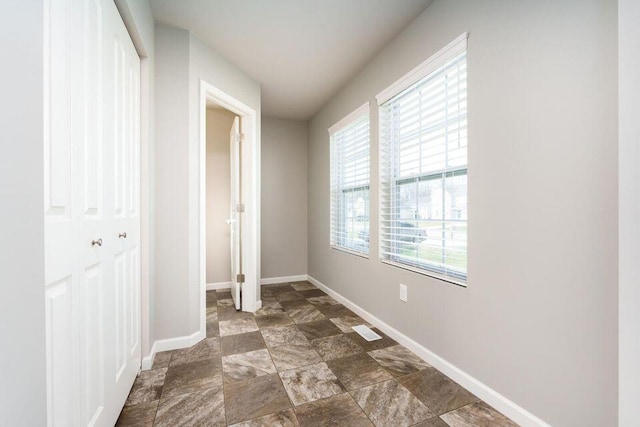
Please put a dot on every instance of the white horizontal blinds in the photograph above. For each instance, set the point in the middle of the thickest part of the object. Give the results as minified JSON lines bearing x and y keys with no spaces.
{"x":350,"y":172}
{"x":423,"y":158}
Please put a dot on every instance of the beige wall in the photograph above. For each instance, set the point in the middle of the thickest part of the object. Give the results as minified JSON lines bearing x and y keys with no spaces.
{"x":182,"y":61}
{"x":538,"y":320}
{"x":171,"y":225}
{"x":219,"y":124}
{"x":207,"y":65}
{"x":284,"y":198}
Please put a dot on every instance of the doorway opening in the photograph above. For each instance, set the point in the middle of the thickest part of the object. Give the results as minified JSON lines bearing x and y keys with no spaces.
{"x":223,"y":195}
{"x":229,"y":200}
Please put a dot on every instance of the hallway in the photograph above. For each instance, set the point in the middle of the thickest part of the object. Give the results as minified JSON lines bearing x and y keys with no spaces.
{"x":296,"y":362}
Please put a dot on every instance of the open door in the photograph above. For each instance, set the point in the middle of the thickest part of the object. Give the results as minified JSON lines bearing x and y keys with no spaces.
{"x":236,"y":208}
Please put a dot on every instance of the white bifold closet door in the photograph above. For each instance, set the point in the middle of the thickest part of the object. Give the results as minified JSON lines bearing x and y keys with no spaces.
{"x":91,"y":212}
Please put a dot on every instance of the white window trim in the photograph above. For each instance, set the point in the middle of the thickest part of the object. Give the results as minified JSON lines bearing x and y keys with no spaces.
{"x":435,"y":61}
{"x":424,"y":272}
{"x":360,"y":111}
{"x":352,"y":252}
{"x":344,"y":122}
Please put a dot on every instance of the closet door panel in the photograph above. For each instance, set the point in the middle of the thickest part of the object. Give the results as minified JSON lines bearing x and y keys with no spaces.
{"x":91,"y":161}
{"x":62,"y":267}
{"x":61,"y":359}
{"x":123,"y":87}
{"x":94,"y":242}
{"x":58,"y":149}
{"x":134,"y":315}
{"x":92,"y":345}
{"x":120,"y":293}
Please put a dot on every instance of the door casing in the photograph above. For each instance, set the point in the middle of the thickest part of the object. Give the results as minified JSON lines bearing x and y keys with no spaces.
{"x":251,"y":198}
{"x":235,"y":212}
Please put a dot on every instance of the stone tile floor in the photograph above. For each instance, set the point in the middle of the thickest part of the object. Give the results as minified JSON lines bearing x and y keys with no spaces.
{"x":296,"y":362}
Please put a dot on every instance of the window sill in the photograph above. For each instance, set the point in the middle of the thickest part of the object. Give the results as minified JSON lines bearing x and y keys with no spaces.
{"x":458,"y":282}
{"x":350,"y":251}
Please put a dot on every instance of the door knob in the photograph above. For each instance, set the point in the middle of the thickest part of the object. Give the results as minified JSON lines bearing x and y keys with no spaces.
{"x":96,"y":242}
{"x":122,"y":235}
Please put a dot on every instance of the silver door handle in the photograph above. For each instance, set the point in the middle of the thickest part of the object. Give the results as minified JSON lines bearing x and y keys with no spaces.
{"x":122,"y":235}
{"x":96,"y":242}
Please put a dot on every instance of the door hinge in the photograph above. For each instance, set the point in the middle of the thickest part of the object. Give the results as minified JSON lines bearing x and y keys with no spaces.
{"x":240,"y":207}
{"x":239,"y":137}
{"x":240,"y":278}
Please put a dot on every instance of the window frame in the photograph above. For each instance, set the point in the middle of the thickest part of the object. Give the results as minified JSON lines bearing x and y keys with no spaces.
{"x":391,"y":184}
{"x":351,"y":119}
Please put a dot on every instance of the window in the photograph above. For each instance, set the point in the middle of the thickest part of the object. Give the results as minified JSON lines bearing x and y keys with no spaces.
{"x":423,"y":158}
{"x":350,"y":182}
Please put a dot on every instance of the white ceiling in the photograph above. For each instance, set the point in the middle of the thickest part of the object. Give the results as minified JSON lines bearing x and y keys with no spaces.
{"x":301,"y":51}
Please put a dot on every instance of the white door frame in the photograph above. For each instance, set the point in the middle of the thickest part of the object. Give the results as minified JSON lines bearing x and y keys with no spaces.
{"x":251,"y":197}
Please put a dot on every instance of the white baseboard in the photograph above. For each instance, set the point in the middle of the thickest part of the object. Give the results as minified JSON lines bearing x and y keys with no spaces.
{"x":484,"y":392}
{"x":266,"y":281}
{"x":171,"y":344}
{"x":218,"y":285}
{"x":188,"y":341}
{"x":147,"y":361}
{"x":283,"y":279}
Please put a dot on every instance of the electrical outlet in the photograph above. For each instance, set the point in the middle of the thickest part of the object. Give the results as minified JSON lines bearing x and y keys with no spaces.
{"x":403,"y":292}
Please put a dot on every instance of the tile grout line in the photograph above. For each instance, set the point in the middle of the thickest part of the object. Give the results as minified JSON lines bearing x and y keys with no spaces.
{"x":155,"y":416}
{"x":224,"y":394}
{"x":325,"y":362}
{"x":361,"y":408}
{"x":295,"y":324}
{"x":293,"y":407}
{"x":276,"y":373}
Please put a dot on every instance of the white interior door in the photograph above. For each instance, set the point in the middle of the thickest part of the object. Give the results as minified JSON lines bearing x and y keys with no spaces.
{"x":235,"y":221}
{"x":91,"y":199}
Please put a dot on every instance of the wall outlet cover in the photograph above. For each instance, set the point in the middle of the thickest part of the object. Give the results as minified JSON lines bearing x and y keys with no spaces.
{"x":403,"y":292}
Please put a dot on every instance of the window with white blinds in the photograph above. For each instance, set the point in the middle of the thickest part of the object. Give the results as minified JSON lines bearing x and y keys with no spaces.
{"x":423,"y":159}
{"x":350,"y":182}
